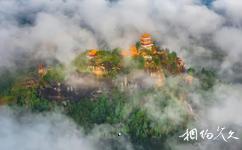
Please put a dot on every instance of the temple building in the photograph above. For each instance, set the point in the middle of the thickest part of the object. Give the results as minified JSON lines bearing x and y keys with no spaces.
{"x":29,"y":83}
{"x":98,"y":71}
{"x":42,"y":71}
{"x":133,"y":51}
{"x":146,"y":41}
{"x":180,"y":65}
{"x":92,"y":53}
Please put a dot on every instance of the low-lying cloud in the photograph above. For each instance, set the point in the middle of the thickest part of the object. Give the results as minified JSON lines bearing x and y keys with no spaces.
{"x":32,"y":132}
{"x":52,"y":131}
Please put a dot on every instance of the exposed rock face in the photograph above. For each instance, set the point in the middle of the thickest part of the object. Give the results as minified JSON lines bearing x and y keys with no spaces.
{"x":76,"y":87}
{"x":140,"y":80}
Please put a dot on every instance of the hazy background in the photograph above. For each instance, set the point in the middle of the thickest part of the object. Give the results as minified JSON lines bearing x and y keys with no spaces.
{"x":204,"y":33}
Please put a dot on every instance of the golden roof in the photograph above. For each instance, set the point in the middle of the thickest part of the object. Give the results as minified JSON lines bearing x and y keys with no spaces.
{"x":92,"y":52}
{"x":146,"y":35}
{"x":133,"y":50}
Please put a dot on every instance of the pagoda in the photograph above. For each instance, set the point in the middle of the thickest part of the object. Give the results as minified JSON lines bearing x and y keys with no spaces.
{"x":146,"y":41}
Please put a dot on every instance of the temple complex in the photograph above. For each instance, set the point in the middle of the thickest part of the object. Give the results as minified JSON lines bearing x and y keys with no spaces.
{"x":155,"y":60}
{"x":99,"y":71}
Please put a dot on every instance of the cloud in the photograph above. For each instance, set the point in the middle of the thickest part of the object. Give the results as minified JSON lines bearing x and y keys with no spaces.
{"x":226,"y":108}
{"x":57,"y":28}
{"x":228,"y":40}
{"x":217,"y":108}
{"x":231,"y":10}
{"x":52,"y":131}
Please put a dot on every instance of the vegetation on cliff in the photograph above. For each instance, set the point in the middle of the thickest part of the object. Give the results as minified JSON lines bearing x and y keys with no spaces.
{"x":146,"y":115}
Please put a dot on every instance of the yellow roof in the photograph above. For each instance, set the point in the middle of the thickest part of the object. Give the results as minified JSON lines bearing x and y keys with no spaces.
{"x":146,"y":35}
{"x":133,"y":50}
{"x":92,"y":52}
